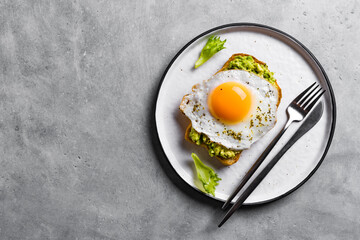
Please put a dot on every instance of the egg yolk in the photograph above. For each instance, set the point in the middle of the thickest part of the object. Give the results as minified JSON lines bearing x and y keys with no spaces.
{"x":230,"y":102}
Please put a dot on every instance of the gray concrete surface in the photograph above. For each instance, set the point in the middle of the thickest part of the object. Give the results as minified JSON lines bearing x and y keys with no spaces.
{"x":78,"y":156}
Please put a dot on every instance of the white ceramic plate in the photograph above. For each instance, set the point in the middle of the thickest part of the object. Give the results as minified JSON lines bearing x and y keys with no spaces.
{"x":295,"y":68}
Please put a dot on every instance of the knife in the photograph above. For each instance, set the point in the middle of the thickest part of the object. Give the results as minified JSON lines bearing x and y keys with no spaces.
{"x":308,"y":123}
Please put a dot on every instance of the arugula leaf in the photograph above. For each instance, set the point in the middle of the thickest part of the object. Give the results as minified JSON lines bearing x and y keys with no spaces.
{"x":213,"y":45}
{"x":206,"y":175}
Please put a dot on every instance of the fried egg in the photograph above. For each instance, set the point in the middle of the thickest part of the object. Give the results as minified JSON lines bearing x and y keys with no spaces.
{"x":233,"y":108}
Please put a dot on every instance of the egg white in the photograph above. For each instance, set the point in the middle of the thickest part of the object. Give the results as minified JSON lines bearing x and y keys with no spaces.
{"x":239,"y":136}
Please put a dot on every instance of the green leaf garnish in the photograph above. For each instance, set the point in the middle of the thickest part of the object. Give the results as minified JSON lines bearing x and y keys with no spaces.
{"x":206,"y":175}
{"x":213,"y":45}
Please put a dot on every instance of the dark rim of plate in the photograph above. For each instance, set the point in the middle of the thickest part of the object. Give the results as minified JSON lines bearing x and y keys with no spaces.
{"x":332,"y":130}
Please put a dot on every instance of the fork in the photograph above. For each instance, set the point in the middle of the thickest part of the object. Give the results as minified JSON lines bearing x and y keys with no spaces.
{"x":296,"y":112}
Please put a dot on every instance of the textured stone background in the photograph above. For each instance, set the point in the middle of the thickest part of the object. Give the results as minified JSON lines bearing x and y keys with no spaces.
{"x":78,"y":85}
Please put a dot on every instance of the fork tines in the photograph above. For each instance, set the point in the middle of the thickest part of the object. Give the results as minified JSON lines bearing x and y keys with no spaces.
{"x":308,"y":101}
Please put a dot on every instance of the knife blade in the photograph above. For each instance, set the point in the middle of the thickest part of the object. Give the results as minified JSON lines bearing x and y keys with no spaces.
{"x":308,"y":123}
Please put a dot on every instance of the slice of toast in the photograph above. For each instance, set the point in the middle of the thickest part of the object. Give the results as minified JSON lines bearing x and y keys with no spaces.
{"x":233,"y":160}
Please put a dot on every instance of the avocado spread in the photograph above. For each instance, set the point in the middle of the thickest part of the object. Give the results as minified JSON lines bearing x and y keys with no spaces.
{"x":247,"y":63}
{"x":213,"y":148}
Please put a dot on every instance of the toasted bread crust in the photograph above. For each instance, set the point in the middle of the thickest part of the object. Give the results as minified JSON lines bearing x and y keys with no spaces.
{"x":233,"y":160}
